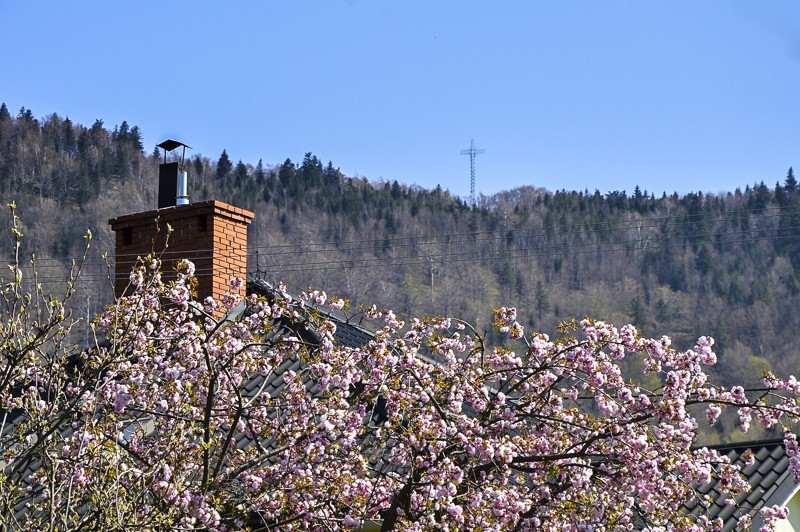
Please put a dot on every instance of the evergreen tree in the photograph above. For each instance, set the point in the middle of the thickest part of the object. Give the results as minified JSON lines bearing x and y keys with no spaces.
{"x":703,"y":262}
{"x":331,"y":175}
{"x":121,"y":133}
{"x":135,"y":139}
{"x":760,"y":200}
{"x":311,"y":170}
{"x":6,"y":125}
{"x":25,"y":115}
{"x":788,"y":242}
{"x":52,"y":133}
{"x":240,"y":175}
{"x":286,"y":173}
{"x":396,"y":191}
{"x":260,"y":175}
{"x":791,"y":182}
{"x":781,"y":195}
{"x":199,"y":170}
{"x":224,"y":166}
{"x":70,"y":141}
{"x":97,"y":133}
{"x":122,"y":162}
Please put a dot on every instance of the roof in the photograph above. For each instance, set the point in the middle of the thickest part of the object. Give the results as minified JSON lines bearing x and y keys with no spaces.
{"x":347,"y":333}
{"x":769,"y":477}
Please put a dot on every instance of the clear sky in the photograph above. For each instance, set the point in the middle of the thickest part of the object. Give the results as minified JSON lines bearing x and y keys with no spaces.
{"x":678,"y":95}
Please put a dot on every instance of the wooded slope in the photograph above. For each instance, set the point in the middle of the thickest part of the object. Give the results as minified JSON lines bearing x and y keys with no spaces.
{"x":685,"y":266}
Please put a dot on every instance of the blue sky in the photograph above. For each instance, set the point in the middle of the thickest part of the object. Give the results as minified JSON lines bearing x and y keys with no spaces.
{"x":679,"y":95}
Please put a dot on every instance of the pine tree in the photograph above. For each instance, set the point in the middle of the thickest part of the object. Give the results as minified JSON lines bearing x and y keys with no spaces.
{"x":122,"y":160}
{"x":331,"y":174}
{"x":121,"y":133}
{"x":791,"y":182}
{"x":286,"y":173}
{"x":260,"y":175}
{"x":97,"y":133}
{"x":760,"y":200}
{"x":240,"y":174}
{"x":25,"y":115}
{"x":781,"y":194}
{"x":311,"y":170}
{"x":6,"y":124}
{"x":135,"y":138}
{"x":70,"y":141}
{"x":224,"y":166}
{"x":199,"y":169}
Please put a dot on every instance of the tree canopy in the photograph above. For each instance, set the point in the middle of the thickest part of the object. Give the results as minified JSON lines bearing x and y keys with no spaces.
{"x":189,"y":414}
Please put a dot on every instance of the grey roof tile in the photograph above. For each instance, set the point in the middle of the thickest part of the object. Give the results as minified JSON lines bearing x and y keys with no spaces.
{"x":767,"y":463}
{"x":766,"y":475}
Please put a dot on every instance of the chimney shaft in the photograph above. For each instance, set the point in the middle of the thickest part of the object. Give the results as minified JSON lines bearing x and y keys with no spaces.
{"x":212,"y":234}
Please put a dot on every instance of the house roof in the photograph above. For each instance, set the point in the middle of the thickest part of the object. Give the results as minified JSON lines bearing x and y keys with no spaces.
{"x":769,"y":477}
{"x":348,"y":334}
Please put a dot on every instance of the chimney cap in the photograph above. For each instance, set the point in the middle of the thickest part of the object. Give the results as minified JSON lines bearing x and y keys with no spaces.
{"x":169,"y":145}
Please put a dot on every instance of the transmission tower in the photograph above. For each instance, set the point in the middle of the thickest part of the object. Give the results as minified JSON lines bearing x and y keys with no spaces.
{"x":472,"y":152}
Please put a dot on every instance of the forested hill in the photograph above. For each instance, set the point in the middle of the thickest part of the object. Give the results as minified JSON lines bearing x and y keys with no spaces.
{"x":725,"y":265}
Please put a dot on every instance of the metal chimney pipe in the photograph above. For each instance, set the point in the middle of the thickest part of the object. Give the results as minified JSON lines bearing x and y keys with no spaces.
{"x":183,"y":195}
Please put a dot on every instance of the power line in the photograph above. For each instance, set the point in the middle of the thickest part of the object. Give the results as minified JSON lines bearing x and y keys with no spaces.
{"x":550,"y":233}
{"x":288,"y":250}
{"x":451,"y":238}
{"x":490,"y":235}
{"x":469,"y":256}
{"x":602,"y":248}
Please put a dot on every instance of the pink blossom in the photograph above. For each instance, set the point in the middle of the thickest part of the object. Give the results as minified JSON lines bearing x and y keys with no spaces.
{"x":201,"y":422}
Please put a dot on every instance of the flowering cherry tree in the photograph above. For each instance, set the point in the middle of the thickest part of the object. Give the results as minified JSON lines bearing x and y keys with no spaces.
{"x":191,"y":414}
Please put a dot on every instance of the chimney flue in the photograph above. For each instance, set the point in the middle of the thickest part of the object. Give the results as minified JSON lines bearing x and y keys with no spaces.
{"x":172,"y":177}
{"x":183,"y":194}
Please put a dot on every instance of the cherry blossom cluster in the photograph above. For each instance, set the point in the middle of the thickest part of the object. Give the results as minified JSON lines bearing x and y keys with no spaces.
{"x":178,"y":417}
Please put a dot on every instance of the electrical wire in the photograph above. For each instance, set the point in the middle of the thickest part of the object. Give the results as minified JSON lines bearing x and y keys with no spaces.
{"x":448,"y":238}
{"x":519,"y":233}
{"x":629,"y":245}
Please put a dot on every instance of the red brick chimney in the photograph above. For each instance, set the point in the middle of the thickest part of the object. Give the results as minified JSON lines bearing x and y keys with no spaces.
{"x":212,"y":234}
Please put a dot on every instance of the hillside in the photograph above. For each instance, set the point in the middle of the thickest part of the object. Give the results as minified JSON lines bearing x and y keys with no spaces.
{"x":724,"y":265}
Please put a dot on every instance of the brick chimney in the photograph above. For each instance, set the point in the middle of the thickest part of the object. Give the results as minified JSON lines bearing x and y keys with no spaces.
{"x":212,"y":234}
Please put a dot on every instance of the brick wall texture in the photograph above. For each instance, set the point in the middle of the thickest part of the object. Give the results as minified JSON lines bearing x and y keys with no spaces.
{"x":212,"y":234}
